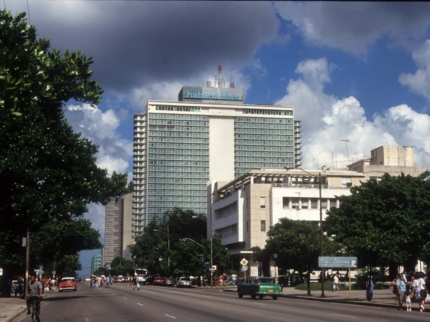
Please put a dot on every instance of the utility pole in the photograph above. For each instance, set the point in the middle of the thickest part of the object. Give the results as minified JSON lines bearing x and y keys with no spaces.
{"x":27,"y":261}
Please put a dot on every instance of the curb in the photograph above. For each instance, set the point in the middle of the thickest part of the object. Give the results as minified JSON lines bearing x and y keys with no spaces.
{"x":14,"y":315}
{"x":334,"y":300}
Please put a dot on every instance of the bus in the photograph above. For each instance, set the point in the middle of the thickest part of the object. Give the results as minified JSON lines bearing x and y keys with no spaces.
{"x":141,"y":274}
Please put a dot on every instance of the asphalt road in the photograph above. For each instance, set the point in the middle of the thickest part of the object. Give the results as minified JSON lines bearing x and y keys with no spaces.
{"x":155,"y":303}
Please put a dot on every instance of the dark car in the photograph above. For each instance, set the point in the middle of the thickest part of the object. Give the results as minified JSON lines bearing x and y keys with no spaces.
{"x":168,"y":282}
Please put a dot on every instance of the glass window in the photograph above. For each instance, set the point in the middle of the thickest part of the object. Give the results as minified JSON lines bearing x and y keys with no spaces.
{"x":263,"y":225}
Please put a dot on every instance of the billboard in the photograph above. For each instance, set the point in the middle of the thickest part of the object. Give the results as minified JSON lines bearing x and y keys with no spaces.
{"x":211,"y":95}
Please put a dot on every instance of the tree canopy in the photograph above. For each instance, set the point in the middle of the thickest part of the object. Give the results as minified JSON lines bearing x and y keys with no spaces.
{"x":151,"y":249}
{"x":297,"y":244}
{"x":48,"y":173}
{"x":385,"y":222}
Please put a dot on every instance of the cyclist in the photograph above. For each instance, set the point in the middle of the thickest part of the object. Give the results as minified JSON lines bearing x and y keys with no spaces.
{"x":34,"y":291}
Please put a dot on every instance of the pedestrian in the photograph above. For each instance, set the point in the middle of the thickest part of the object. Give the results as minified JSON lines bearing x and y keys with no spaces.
{"x":395,"y":288}
{"x":408,"y":297}
{"x":233,"y":279}
{"x":336,"y":282}
{"x":220,"y":280}
{"x":404,"y":277}
{"x":15,"y":288}
{"x":369,"y":287}
{"x":136,"y":283}
{"x":21,"y":286}
{"x":225,"y":279}
{"x":420,"y":292}
{"x":401,"y":289}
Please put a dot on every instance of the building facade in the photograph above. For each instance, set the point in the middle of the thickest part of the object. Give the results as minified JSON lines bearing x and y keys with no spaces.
{"x":394,"y":160}
{"x":96,"y":263}
{"x":208,"y":133}
{"x":118,"y":226}
{"x":243,"y":210}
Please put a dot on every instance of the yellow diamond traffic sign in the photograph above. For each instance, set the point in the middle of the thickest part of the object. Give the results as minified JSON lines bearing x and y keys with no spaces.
{"x":244,"y":261}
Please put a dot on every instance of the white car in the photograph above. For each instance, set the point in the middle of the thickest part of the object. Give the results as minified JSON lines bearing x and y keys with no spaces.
{"x":184,"y":282}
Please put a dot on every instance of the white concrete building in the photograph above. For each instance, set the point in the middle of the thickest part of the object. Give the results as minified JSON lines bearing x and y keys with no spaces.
{"x":209,"y":133}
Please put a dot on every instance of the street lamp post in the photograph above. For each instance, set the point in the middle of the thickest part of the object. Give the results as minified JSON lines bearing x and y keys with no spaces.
{"x":212,"y":264}
{"x":168,"y":245}
{"x":204,"y":252}
{"x":321,"y":226}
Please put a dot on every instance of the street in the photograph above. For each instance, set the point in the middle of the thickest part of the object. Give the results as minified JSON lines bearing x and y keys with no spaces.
{"x":155,"y":303}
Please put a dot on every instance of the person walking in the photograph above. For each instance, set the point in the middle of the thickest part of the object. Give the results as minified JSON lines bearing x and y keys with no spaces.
{"x":401,"y":290}
{"x":336,"y":282}
{"x":395,"y":288}
{"x":420,"y":292}
{"x":136,"y":283}
{"x":233,"y":279}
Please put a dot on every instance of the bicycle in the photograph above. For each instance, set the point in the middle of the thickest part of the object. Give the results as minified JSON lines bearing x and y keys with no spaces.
{"x":34,"y":300}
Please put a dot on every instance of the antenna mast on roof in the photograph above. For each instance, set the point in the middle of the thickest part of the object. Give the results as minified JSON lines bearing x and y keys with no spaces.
{"x":232,"y":80}
{"x":220,"y":81}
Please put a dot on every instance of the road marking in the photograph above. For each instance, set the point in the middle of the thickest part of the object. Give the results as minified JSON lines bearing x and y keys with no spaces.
{"x":139,"y":304}
{"x":124,"y":298}
{"x":170,"y":316}
{"x":348,"y":316}
{"x":87,"y":319}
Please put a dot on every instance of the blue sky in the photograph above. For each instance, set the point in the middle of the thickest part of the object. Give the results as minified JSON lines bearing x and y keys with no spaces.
{"x":355,"y":71}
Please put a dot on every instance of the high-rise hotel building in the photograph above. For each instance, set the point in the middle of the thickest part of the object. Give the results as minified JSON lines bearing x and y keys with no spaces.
{"x":208,"y":134}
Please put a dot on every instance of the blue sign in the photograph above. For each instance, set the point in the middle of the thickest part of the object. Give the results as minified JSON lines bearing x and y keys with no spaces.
{"x":222,"y":96}
{"x":337,"y":262}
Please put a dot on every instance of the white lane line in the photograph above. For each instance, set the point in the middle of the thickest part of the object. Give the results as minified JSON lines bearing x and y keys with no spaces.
{"x":348,"y":316}
{"x":124,"y":298}
{"x":170,"y":316}
{"x":139,"y":304}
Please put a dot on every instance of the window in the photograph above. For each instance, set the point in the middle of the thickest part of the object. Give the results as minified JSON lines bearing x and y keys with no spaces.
{"x":263,"y":225}
{"x":262,"y":202}
{"x":295,"y":203}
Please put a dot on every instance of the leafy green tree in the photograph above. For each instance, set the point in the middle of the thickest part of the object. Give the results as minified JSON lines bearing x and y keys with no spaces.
{"x":122,"y":266}
{"x":385,"y":222}
{"x":47,"y":172}
{"x":151,"y":249}
{"x":297,"y":244}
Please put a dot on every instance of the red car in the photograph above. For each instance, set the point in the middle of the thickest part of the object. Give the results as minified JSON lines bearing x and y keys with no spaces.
{"x":158,"y":281}
{"x":68,"y":283}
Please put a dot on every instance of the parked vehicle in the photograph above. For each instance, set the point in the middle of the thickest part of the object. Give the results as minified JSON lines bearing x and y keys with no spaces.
{"x":158,"y":280}
{"x":183,"y":282}
{"x":168,"y":282}
{"x":259,"y":286}
{"x":67,"y":283}
{"x":120,"y":278}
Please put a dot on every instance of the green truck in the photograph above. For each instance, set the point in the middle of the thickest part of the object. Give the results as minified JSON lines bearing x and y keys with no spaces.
{"x":259,"y":286}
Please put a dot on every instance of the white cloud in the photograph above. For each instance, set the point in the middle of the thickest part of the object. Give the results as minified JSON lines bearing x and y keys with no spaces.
{"x":101,"y":128}
{"x":420,"y":81}
{"x":336,"y":131}
{"x":96,"y":214}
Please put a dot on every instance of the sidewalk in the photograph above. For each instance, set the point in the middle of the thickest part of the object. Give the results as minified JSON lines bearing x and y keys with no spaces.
{"x":11,"y":307}
{"x":381,"y":298}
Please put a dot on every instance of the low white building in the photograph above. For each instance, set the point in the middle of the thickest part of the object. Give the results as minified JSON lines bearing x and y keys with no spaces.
{"x":242,"y":210}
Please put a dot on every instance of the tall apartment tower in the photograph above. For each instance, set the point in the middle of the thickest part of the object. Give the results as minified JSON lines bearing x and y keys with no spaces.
{"x":118,"y":221}
{"x":208,"y":134}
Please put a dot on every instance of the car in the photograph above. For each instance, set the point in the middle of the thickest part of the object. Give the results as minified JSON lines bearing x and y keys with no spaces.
{"x":259,"y":286}
{"x":158,"y":281}
{"x":119,"y":278}
{"x":87,"y":279}
{"x":168,"y":281}
{"x":68,"y":283}
{"x":184,"y":282}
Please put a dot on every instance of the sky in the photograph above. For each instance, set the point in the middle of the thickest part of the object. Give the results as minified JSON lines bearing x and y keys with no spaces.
{"x":357,"y":74}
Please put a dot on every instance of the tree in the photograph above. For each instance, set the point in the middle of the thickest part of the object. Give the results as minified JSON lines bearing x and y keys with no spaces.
{"x":47,"y":172}
{"x":384,"y":222}
{"x":297,"y":244}
{"x":151,"y":249}
{"x":122,"y":266}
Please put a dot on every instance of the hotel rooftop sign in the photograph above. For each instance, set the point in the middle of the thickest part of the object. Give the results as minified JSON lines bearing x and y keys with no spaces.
{"x":211,"y":95}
